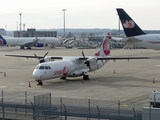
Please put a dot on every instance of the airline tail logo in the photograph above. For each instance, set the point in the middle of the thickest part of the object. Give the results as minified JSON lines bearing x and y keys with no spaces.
{"x":106,"y":47}
{"x":2,"y":41}
{"x":129,"y":24}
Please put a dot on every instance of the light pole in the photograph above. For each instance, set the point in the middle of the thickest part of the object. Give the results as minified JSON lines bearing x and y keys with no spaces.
{"x":64,"y":21}
{"x":118,"y":24}
{"x":17,"y":25}
{"x":119,"y":27}
{"x":20,"y":24}
{"x":5,"y":29}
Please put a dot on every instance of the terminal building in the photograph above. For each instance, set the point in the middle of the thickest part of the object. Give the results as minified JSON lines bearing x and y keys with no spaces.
{"x":2,"y":31}
{"x":95,"y":38}
{"x":34,"y":33}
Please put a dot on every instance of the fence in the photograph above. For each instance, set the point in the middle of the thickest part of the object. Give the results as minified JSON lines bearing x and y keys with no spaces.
{"x":36,"y":106}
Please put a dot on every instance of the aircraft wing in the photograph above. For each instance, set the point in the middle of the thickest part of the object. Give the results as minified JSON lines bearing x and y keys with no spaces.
{"x":80,"y":58}
{"x":116,"y":38}
{"x":121,"y":58}
{"x":32,"y":56}
{"x":116,"y":58}
{"x":132,"y":39}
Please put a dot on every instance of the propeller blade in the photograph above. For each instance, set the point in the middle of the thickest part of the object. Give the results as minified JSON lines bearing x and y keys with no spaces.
{"x":36,"y":56}
{"x":83,"y":54}
{"x":88,"y":64}
{"x":46,"y":54}
{"x":89,"y":67}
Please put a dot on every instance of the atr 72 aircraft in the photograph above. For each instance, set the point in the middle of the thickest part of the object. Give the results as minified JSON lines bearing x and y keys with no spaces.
{"x":135,"y":36}
{"x":72,"y":66}
{"x":28,"y":41}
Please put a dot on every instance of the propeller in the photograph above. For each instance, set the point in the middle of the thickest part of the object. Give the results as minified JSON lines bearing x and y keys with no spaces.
{"x":42,"y":59}
{"x":45,"y":54}
{"x":36,"y":56}
{"x":87,"y":62}
{"x":83,"y":54}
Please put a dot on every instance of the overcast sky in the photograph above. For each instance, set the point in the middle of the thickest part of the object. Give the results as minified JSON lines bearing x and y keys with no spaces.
{"x":47,"y":14}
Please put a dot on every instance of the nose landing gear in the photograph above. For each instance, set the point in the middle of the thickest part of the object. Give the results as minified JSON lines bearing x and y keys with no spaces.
{"x":39,"y":82}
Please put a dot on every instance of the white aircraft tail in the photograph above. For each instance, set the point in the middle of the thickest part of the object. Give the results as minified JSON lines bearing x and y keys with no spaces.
{"x":105,"y":47}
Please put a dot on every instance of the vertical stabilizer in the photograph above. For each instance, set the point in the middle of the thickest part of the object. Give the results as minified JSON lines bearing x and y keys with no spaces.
{"x":129,"y":26}
{"x":2,"y":41}
{"x":105,"y":47}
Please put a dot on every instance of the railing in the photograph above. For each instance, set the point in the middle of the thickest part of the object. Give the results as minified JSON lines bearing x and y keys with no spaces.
{"x":43,"y":107}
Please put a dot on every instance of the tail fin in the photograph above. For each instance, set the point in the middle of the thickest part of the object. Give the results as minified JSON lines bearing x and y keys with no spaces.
{"x":105,"y":47}
{"x":129,"y":26}
{"x":2,"y":41}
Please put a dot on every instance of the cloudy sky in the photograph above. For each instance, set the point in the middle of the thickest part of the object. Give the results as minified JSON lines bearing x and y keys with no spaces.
{"x":47,"y":14}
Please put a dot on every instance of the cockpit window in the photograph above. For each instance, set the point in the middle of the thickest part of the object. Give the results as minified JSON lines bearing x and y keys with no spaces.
{"x":46,"y":67}
{"x":49,"y":67}
{"x":41,"y":67}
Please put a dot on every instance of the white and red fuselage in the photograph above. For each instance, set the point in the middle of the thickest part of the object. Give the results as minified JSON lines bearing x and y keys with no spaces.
{"x":68,"y":67}
{"x":72,"y":66}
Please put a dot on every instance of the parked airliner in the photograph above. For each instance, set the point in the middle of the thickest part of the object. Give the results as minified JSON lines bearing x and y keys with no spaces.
{"x":135,"y":36}
{"x":72,"y":66}
{"x":28,"y":41}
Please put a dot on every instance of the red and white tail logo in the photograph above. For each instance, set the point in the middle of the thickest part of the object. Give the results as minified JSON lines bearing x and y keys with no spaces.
{"x":129,"y":24}
{"x":106,"y":46}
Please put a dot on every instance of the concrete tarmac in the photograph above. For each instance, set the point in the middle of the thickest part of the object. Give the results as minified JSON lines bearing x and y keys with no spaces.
{"x":132,"y":82}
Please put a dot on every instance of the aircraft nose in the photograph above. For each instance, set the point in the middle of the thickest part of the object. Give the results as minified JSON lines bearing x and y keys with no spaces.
{"x":37,"y":75}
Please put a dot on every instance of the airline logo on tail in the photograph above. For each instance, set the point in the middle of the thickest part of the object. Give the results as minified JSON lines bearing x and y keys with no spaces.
{"x":106,"y":46}
{"x":2,"y":41}
{"x":129,"y":24}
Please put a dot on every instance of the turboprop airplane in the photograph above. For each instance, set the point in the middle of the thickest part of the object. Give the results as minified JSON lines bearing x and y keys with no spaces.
{"x":28,"y":41}
{"x":72,"y":66}
{"x":135,"y":36}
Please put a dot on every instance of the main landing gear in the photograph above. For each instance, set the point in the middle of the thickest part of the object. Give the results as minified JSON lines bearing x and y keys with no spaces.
{"x":39,"y":82}
{"x":85,"y":77}
{"x":63,"y":78}
{"x":28,"y":47}
{"x":22,"y":47}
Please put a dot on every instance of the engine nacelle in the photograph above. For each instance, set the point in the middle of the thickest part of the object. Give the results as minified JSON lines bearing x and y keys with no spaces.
{"x":39,"y":44}
{"x":46,"y":59}
{"x":92,"y":61}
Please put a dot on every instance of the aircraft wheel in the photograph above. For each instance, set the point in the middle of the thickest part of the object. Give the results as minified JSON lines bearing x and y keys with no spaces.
{"x":85,"y":77}
{"x":22,"y":47}
{"x":40,"y":82}
{"x":63,"y":78}
{"x":28,"y":47}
